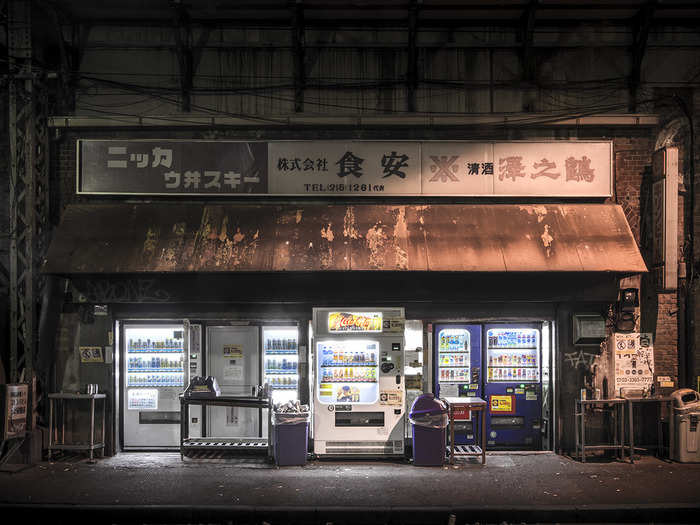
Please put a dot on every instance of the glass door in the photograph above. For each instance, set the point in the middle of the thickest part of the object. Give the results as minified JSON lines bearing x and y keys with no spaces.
{"x":347,"y":371}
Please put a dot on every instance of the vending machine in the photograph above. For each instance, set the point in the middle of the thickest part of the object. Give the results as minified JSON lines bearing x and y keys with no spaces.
{"x":281,"y":362}
{"x":154,"y":373}
{"x":457,"y":358}
{"x":513,"y":386}
{"x":358,"y":382}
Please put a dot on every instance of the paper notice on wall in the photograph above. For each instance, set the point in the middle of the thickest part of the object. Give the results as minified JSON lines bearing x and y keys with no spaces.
{"x":235,"y":350}
{"x":142,"y":399}
{"x":233,"y":373}
{"x":634,"y":360}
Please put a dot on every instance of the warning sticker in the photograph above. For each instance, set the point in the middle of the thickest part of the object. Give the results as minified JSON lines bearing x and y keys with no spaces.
{"x":502,"y":404}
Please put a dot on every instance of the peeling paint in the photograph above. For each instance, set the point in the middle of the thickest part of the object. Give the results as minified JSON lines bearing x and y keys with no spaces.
{"x":238,"y":237}
{"x":327,"y":232}
{"x":150,"y":242}
{"x":223,"y":235}
{"x":375,"y":241}
{"x":547,"y":240}
{"x":400,"y":233}
{"x":540,"y":211}
{"x":349,"y":226}
{"x":326,"y":256}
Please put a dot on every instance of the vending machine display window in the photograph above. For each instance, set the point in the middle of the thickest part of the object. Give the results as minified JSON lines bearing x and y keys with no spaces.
{"x":281,"y":362}
{"x":512,"y":355}
{"x":155,"y":357}
{"x":348,"y":371}
{"x":454,"y":355}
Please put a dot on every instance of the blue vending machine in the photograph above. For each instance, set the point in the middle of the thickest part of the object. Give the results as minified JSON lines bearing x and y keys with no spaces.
{"x":512,"y":386}
{"x":457,"y":361}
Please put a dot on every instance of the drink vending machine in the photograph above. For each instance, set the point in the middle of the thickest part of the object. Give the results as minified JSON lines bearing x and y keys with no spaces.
{"x":358,"y":401}
{"x":155,"y":372}
{"x":457,"y":354}
{"x":513,"y":386}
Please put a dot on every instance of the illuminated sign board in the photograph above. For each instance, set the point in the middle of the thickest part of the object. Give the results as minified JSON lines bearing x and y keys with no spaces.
{"x":353,"y":322}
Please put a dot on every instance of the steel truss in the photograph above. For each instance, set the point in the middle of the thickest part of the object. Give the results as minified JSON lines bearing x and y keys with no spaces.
{"x":29,"y":185}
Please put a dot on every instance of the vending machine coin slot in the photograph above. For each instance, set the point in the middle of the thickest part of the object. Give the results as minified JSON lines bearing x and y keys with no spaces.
{"x":395,"y":347}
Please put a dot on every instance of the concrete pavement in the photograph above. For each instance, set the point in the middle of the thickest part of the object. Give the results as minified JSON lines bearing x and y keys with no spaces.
{"x":511,"y":487}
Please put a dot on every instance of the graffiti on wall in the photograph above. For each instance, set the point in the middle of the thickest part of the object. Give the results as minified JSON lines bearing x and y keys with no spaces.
{"x":121,"y":291}
{"x":581,"y":359}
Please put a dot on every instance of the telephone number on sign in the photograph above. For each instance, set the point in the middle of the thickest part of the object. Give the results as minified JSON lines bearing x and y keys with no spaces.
{"x":367,"y":188}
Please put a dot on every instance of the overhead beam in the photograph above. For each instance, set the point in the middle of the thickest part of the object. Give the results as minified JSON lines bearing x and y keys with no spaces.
{"x":412,"y":72}
{"x":527,"y":34}
{"x":298,"y":47}
{"x":640,"y":36}
{"x":183,"y":43}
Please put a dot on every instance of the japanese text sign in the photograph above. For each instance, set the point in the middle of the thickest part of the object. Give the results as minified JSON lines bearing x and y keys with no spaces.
{"x":634,"y":360}
{"x":339,"y":322}
{"x":341,"y":168}
{"x":502,"y":404}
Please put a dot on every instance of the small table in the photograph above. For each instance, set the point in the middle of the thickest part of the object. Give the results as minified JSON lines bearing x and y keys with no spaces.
{"x":91,"y":446}
{"x":659,"y":400}
{"x":580,"y":426}
{"x":223,"y":443}
{"x":471,"y":404}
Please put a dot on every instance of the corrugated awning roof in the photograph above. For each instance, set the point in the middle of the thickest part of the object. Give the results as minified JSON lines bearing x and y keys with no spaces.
{"x":194,"y":237}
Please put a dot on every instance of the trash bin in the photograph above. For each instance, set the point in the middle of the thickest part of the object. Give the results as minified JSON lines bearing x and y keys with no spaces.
{"x":290,"y":438}
{"x":428,"y":417}
{"x":686,"y":414}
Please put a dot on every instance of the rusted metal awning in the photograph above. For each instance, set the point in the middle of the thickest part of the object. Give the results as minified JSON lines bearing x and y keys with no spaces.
{"x":191,"y":237}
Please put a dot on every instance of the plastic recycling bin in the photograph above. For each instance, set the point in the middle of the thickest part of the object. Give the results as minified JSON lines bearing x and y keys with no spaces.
{"x":428,"y":417}
{"x":686,"y":414}
{"x":290,"y":438}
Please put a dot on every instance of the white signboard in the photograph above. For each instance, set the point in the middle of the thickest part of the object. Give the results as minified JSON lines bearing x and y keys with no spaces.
{"x":142,"y":399}
{"x":563,"y":168}
{"x":344,"y":168}
{"x":634,"y":360}
{"x":517,"y":168}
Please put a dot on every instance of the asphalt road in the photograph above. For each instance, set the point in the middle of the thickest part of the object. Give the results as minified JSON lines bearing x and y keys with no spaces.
{"x":533,"y":486}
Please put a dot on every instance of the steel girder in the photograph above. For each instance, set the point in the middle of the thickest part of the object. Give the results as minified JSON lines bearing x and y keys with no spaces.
{"x":29,"y":185}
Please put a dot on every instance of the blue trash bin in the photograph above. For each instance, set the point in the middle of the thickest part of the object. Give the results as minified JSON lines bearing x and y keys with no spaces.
{"x":290,"y":438}
{"x":428,"y":417}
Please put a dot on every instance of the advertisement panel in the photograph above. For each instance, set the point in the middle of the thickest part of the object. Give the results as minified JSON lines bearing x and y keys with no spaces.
{"x":341,"y":168}
{"x":634,"y":360}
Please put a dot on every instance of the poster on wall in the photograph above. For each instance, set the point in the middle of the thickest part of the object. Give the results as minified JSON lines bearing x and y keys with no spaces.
{"x":634,"y":360}
{"x":15,"y":400}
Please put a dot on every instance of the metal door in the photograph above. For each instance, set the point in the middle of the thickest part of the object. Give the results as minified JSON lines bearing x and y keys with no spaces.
{"x":233,"y":357}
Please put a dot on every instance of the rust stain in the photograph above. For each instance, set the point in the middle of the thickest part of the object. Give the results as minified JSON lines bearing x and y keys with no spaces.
{"x":539,"y":211}
{"x":376,"y":239}
{"x":326,"y":258}
{"x":170,"y":255}
{"x":349,"y":225}
{"x":238,"y":236}
{"x":400,"y":232}
{"x":327,"y":232}
{"x":547,"y":240}
{"x":224,"y":227}
{"x":150,"y":242}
